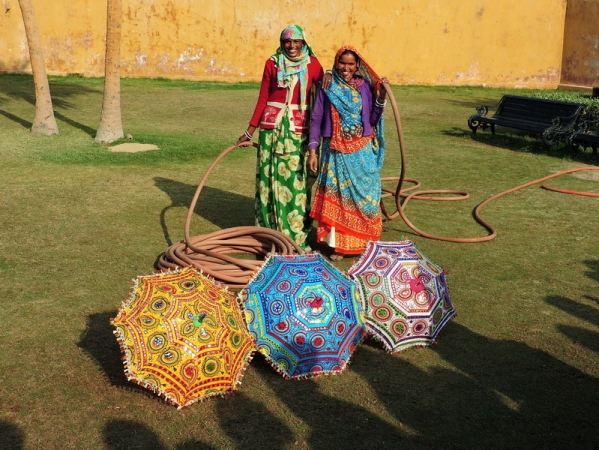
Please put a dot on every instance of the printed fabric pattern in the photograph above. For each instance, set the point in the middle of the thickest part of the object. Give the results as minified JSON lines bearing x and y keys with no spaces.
{"x":348,"y":194}
{"x":281,"y":201}
{"x":287,"y":66}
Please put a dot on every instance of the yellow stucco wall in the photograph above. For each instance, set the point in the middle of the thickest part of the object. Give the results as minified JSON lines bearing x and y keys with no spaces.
{"x":430,"y":42}
{"x":580,"y":64}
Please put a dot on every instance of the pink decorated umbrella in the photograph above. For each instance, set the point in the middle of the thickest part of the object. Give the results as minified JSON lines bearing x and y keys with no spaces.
{"x":405,"y":295}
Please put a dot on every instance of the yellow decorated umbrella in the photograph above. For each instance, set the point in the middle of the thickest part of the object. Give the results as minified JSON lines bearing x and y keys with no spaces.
{"x":183,"y":337}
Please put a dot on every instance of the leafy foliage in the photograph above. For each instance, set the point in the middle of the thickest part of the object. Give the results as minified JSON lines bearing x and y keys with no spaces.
{"x":591,"y":111}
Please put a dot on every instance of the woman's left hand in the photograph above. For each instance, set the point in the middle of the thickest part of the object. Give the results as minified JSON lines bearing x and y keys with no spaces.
{"x":382,"y":90}
{"x":327,"y":80}
{"x":312,"y":163}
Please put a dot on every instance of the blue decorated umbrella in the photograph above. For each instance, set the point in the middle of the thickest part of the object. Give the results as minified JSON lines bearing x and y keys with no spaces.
{"x":304,"y":315}
{"x":405,"y":294}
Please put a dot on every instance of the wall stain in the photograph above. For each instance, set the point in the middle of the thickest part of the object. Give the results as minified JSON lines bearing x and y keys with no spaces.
{"x":200,"y":39}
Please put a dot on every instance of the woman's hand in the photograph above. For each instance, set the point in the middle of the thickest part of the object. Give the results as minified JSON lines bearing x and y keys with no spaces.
{"x":246,"y":136}
{"x":382,"y":91}
{"x":312,"y":164}
{"x":327,"y":79}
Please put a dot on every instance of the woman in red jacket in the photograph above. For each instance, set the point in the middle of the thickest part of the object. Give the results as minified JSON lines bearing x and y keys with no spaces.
{"x":283,"y":115}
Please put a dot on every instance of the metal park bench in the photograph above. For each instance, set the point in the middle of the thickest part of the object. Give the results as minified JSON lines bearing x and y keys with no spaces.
{"x":587,"y":135}
{"x":553,"y":120}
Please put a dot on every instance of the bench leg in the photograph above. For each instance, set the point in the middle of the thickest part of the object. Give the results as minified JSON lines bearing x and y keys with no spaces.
{"x":574,"y":147}
{"x":492,"y":128}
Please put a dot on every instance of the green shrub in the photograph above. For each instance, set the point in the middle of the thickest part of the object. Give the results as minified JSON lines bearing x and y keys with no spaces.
{"x":591,"y":111}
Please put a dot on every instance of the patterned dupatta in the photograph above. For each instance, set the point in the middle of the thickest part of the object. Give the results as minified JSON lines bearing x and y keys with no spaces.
{"x":346,"y":106}
{"x":288,"y":67}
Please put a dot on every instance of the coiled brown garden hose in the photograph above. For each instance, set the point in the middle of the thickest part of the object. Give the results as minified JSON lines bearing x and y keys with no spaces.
{"x":211,"y":252}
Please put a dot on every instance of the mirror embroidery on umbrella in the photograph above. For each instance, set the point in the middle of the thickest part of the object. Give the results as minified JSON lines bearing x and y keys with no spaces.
{"x":317,"y":305}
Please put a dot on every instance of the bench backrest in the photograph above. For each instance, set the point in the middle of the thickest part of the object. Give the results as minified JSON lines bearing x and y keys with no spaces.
{"x":535,"y":109}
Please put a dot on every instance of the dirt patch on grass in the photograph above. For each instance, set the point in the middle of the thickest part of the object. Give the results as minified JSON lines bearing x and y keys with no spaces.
{"x":592,"y":175}
{"x":133,"y":147}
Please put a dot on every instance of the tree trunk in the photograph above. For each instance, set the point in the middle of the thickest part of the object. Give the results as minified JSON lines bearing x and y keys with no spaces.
{"x":111,"y":127}
{"x":44,"y":121}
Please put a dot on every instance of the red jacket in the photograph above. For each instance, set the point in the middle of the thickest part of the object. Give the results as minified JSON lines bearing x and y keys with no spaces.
{"x":270,"y":92}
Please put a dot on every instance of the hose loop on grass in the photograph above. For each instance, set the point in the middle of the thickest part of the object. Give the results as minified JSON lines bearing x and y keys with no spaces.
{"x":211,"y":252}
{"x":447,"y":195}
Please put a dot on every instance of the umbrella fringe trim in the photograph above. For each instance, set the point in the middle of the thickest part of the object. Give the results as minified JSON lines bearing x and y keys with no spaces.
{"x":168,"y":398}
{"x":307,"y":376}
{"x":390,"y":351}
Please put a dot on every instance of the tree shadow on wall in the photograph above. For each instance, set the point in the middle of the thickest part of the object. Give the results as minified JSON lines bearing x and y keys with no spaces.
{"x":221,"y":208}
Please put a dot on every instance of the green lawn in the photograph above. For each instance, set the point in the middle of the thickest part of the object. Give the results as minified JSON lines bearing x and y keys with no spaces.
{"x":517,"y":367}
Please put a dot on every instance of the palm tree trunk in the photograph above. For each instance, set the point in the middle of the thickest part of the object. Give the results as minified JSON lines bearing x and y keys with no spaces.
{"x":111,"y":128}
{"x":44,"y":121}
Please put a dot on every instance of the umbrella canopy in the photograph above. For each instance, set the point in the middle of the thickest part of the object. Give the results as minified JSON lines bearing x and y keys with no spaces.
{"x":405,"y":294}
{"x":183,"y":336}
{"x":304,"y":315}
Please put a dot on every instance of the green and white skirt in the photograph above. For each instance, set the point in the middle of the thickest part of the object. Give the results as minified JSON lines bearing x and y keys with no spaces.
{"x":281,"y":198}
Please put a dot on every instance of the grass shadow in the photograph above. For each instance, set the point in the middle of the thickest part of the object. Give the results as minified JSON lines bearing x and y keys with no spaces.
{"x":251,"y":425}
{"x":331,"y":419}
{"x":581,"y":311}
{"x":520,"y":142}
{"x":129,"y":435}
{"x":194,"y":444}
{"x":64,"y":96}
{"x":501,"y":391}
{"x":87,"y":130}
{"x":24,"y":123}
{"x":581,"y":336}
{"x":575,"y":309}
{"x":221,"y":208}
{"x":99,"y":342}
{"x":21,"y":87}
{"x":11,"y":436}
{"x":593,"y":273}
